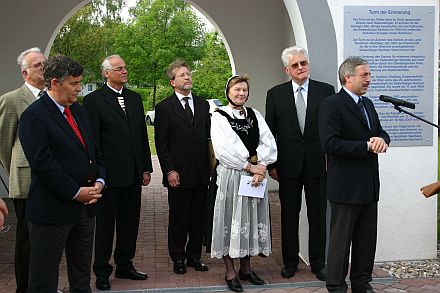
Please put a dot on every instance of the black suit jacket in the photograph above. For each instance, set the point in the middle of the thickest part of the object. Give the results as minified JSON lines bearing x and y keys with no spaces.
{"x":59,"y":163}
{"x":294,"y":147}
{"x":353,"y":173}
{"x":122,"y":138}
{"x":181,"y":145}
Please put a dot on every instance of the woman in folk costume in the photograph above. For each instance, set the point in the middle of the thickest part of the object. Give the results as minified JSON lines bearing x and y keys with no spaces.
{"x":243,"y":145}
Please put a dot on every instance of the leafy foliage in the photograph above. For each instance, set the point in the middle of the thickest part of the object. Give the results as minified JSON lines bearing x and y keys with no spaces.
{"x":157,"y":32}
{"x":213,"y":70}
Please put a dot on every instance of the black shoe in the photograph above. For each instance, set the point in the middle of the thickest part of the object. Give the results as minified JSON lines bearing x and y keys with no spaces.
{"x":131,"y":274}
{"x":103,"y":283}
{"x":197,"y":265}
{"x":321,"y":274}
{"x":234,"y":285}
{"x":179,"y":267}
{"x":288,"y":272}
{"x":366,"y":291}
{"x":252,"y":277}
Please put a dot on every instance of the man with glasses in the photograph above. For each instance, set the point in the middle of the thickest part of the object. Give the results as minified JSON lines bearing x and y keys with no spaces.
{"x":292,"y":115}
{"x":118,"y":122}
{"x":352,"y":137}
{"x":181,"y":134}
{"x":12,"y":158}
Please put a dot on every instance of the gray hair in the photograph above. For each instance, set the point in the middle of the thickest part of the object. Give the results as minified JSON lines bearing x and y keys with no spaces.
{"x":21,"y":62}
{"x":294,"y":50}
{"x":348,"y":67}
{"x":176,"y":64}
{"x":106,"y":66}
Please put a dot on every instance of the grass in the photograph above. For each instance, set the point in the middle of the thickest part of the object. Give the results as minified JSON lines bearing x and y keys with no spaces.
{"x":150,"y":129}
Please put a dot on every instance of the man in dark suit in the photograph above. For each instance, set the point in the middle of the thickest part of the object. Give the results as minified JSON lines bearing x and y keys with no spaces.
{"x":352,"y":136}
{"x":117,"y":116}
{"x":12,"y":158}
{"x":292,"y":115}
{"x":181,"y":133}
{"x":67,"y":179}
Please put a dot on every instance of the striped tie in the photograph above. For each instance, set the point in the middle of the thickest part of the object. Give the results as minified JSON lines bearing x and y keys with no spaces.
{"x":122,"y":103}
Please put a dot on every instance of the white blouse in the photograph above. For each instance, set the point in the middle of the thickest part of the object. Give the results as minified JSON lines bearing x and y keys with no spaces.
{"x":228,"y":147}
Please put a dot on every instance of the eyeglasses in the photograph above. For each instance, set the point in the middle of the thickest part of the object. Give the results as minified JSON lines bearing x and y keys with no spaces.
{"x":296,"y":65}
{"x":120,"y":68}
{"x":37,"y":65}
{"x":5,"y":229}
{"x":189,"y":74}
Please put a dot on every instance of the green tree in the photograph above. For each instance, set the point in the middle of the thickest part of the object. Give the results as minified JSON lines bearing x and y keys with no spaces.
{"x":213,"y":70}
{"x":88,"y":35}
{"x":160,"y":31}
{"x":157,"y":32}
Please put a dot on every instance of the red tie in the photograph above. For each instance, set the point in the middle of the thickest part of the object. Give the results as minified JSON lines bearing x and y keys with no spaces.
{"x":72,"y":124}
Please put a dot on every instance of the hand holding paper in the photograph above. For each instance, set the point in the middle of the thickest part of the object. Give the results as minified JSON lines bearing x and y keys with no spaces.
{"x":247,"y":188}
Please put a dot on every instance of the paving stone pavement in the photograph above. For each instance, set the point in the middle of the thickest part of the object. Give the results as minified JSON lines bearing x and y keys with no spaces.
{"x":152,"y":258}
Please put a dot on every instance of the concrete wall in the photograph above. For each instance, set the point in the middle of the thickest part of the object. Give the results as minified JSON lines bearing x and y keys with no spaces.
{"x":255,"y":35}
{"x":25,"y":24}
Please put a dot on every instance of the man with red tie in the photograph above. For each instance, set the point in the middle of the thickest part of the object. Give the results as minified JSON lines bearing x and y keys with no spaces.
{"x":67,"y":180}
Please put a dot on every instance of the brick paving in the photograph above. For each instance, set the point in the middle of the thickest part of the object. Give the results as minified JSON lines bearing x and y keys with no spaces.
{"x":152,"y":258}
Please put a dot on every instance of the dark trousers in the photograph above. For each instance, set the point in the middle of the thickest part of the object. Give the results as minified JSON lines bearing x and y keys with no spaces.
{"x":186,"y":215}
{"x":119,"y":207}
{"x":290,"y":192}
{"x":47,"y":245}
{"x":354,"y":225}
{"x":21,"y":246}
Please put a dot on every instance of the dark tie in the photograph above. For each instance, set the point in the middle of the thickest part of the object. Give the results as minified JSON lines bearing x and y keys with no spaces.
{"x":188,"y":110}
{"x":40,"y":94}
{"x":361,"y":106}
{"x":73,"y":125}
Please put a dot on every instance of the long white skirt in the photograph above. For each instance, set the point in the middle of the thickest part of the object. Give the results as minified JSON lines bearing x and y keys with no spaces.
{"x":241,"y":224}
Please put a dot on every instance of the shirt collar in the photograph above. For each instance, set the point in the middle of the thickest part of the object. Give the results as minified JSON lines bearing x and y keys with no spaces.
{"x":305,"y":86}
{"x":60,"y":107}
{"x":35,"y":91}
{"x":180,"y":96}
{"x":116,"y":91}
{"x":352,"y":95}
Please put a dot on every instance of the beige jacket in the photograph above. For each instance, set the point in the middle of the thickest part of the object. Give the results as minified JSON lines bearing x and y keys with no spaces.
{"x":12,"y":158}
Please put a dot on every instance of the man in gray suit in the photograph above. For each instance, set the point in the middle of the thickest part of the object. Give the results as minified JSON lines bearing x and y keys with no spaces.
{"x":12,"y":158}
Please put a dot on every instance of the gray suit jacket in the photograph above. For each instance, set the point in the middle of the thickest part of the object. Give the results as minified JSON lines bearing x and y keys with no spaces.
{"x":12,"y":158}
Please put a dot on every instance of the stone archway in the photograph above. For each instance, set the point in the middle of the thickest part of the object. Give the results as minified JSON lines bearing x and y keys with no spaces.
{"x":255,"y":34}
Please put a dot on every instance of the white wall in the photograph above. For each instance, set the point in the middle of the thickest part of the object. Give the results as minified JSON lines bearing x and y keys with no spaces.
{"x":254,"y":34}
{"x":407,"y":221}
{"x":25,"y":24}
